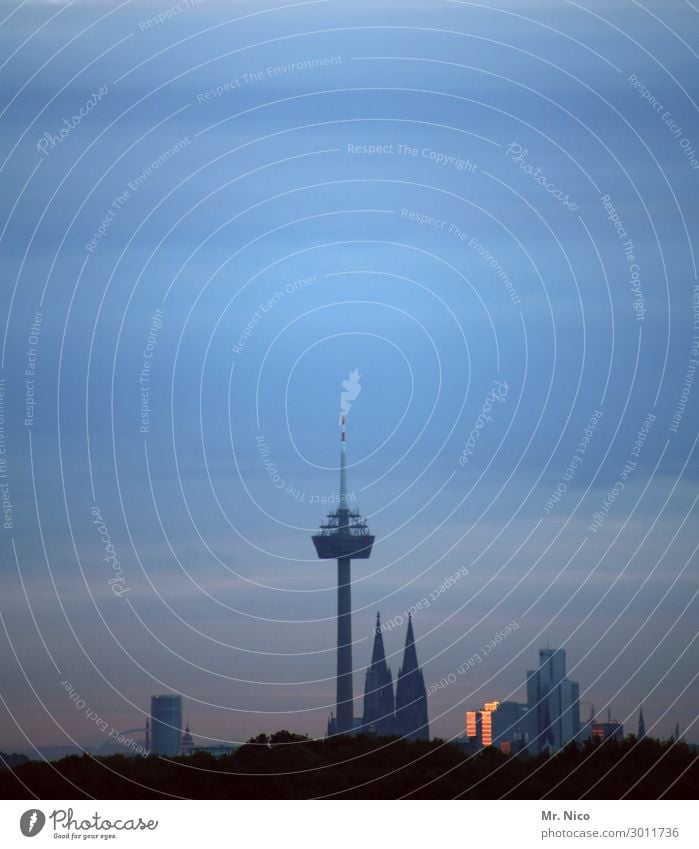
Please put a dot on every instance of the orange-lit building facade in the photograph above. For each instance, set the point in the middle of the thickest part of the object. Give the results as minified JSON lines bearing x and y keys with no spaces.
{"x":611,"y":730}
{"x":499,"y":724}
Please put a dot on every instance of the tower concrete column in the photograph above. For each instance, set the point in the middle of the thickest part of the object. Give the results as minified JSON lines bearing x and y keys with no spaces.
{"x":345,"y":711}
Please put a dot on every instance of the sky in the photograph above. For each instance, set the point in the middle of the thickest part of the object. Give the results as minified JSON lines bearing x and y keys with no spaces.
{"x":213,"y":213}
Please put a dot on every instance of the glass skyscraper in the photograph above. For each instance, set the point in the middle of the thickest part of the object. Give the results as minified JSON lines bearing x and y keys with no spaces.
{"x":553,"y":703}
{"x":165,"y":725}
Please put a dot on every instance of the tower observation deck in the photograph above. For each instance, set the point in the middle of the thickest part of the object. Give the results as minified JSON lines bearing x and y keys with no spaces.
{"x":344,"y":537}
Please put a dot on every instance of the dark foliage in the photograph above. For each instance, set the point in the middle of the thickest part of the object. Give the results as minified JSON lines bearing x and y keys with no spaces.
{"x":289,"y":766}
{"x":12,"y":760}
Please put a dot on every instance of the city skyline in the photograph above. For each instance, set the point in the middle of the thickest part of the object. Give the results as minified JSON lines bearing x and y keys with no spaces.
{"x":532,"y":727}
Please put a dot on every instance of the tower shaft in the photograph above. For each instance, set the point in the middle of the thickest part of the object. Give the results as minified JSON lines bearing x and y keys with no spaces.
{"x":345,"y":713}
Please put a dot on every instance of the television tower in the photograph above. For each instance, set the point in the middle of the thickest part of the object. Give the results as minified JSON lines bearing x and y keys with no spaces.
{"x":345,"y":537}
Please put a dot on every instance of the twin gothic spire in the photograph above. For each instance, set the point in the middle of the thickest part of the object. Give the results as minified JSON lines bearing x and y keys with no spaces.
{"x":406,"y":716}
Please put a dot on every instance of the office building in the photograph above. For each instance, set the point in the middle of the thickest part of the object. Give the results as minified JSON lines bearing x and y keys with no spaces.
{"x":165,"y":725}
{"x":500,"y":724}
{"x":553,"y":704}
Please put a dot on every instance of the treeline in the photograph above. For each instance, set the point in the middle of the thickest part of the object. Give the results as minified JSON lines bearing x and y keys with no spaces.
{"x":288,"y":766}
{"x":7,"y":760}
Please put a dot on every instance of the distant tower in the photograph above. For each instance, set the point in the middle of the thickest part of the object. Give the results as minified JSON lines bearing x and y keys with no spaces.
{"x":187,"y":743}
{"x":345,"y":537}
{"x":411,"y":698}
{"x":641,"y":725}
{"x":378,"y":691}
{"x":677,"y":732}
{"x":148,"y":735}
{"x":165,"y":725}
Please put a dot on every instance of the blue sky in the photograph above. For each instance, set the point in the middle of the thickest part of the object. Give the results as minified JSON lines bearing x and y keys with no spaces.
{"x":264,"y":210}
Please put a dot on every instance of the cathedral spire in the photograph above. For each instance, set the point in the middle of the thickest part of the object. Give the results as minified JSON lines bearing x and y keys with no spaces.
{"x":378,"y":691}
{"x":411,"y":697}
{"x":410,"y":654}
{"x":641,"y":725}
{"x":378,"y":655}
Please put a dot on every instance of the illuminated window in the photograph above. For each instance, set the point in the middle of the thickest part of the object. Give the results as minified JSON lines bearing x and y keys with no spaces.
{"x":487,"y":727}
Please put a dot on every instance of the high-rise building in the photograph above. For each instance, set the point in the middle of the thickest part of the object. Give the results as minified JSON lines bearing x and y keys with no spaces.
{"x":553,"y":704}
{"x":479,"y":723}
{"x":411,"y":696}
{"x":379,"y":705}
{"x":345,"y":537}
{"x":165,"y":725}
{"x":499,"y":724}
